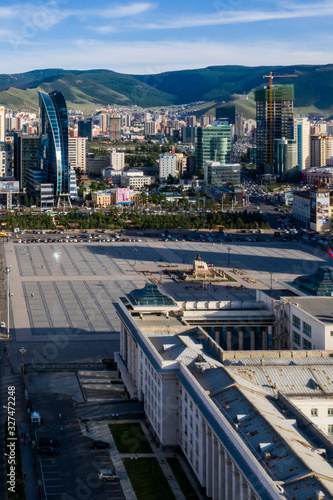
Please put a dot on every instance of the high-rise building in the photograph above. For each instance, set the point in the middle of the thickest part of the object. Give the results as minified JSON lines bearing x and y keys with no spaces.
{"x":321,"y":148}
{"x":274,"y":115}
{"x":85,"y":129}
{"x":226,"y":113}
{"x":2,"y":124}
{"x":77,"y":152}
{"x":167,"y":166}
{"x":26,"y":148}
{"x":150,"y":127}
{"x":285,"y":157}
{"x":213,"y":144}
{"x":117,"y":160}
{"x":302,"y":138}
{"x":188,"y":135}
{"x":54,"y":140}
{"x":5,"y":160}
{"x":115,"y":128}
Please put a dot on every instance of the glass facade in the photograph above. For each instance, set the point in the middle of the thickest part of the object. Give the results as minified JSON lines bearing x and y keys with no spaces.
{"x":54,"y":140}
{"x":213,"y":144}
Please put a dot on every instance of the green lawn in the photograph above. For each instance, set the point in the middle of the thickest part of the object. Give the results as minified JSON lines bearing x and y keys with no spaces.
{"x":182,"y":479}
{"x":148,"y":480}
{"x":129,"y":438}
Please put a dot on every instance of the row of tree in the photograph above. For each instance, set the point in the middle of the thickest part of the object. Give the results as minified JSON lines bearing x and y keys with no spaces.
{"x":127,"y":219}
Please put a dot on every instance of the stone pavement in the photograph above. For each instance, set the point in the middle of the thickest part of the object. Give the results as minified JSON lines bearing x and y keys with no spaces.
{"x":100,"y":430}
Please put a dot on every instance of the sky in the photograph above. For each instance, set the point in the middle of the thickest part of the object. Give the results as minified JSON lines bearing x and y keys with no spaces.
{"x":149,"y":37}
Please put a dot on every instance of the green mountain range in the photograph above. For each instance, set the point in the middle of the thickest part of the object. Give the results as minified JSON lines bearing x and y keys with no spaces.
{"x":87,"y":90}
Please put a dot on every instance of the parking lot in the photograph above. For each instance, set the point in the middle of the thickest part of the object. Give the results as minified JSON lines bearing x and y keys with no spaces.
{"x":74,"y":472}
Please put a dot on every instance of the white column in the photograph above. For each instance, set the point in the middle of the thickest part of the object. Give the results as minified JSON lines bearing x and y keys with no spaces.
{"x":253,"y":342}
{"x":208,"y":462}
{"x":215,"y":468}
{"x":240,"y":337}
{"x":221,"y":473}
{"x":202,"y":451}
{"x":228,"y":477}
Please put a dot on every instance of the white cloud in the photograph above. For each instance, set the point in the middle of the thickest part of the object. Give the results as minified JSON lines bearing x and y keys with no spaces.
{"x":221,"y":16}
{"x":150,"y":58}
{"x":132,"y":9}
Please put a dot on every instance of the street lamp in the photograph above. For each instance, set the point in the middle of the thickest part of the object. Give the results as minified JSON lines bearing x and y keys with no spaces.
{"x":7,"y":271}
{"x":229,"y":250}
{"x":271,"y":273}
{"x":135,"y":250}
{"x":23,"y":351}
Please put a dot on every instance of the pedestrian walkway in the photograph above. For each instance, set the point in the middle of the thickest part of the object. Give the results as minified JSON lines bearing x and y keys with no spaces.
{"x":28,"y":462}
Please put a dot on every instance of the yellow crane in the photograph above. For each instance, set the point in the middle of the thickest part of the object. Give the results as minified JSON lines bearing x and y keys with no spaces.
{"x":271,"y":76}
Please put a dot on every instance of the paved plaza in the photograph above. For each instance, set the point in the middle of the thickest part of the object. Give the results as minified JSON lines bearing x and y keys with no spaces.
{"x":64,"y":293}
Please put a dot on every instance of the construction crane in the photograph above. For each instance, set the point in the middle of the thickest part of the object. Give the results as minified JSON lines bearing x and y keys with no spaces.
{"x":271,"y":76}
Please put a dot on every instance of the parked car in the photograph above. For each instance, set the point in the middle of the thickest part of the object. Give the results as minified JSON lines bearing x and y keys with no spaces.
{"x":2,"y":324}
{"x":48,"y":451}
{"x":107,"y":475}
{"x":99,"y":445}
{"x":48,"y":441}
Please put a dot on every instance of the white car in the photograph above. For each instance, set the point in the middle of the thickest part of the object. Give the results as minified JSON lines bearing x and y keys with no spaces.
{"x":2,"y":324}
{"x":107,"y":475}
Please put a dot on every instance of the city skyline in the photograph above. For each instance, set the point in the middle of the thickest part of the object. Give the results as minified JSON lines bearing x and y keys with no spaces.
{"x":148,"y":37}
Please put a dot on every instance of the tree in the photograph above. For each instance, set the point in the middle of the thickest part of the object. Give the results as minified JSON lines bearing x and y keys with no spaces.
{"x":81,"y":191}
{"x":94,"y":186}
{"x":25,"y":201}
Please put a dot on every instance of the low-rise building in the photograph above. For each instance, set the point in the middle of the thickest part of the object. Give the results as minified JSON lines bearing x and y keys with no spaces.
{"x":116,"y":196}
{"x":314,"y":209}
{"x":135,"y":179}
{"x":217,"y":174}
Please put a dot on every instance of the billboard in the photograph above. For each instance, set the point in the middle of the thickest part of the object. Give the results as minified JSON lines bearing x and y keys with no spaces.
{"x":9,"y":187}
{"x":124,"y":195}
{"x":323,"y":210}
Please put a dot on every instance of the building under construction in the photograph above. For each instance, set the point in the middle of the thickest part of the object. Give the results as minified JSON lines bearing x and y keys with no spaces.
{"x":274,"y":115}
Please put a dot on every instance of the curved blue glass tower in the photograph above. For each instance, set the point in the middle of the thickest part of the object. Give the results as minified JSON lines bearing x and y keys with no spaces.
{"x":54,"y":140}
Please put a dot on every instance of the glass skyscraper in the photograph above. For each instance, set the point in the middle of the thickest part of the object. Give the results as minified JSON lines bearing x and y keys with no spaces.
{"x":54,"y":140}
{"x":213,"y":144}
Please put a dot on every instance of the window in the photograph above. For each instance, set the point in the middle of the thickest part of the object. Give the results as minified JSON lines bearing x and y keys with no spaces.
{"x":331,"y":334}
{"x":330,"y":430}
{"x":296,"y":322}
{"x":306,"y":329}
{"x":296,"y":338}
{"x":314,"y":412}
{"x":330,"y":412}
{"x":307,"y":345}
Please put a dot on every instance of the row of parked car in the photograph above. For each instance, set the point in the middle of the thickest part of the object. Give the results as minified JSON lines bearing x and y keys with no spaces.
{"x":48,"y":446}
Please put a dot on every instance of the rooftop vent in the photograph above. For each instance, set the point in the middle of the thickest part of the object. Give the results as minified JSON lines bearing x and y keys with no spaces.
{"x":320,"y":495}
{"x":167,"y":347}
{"x":267,"y":455}
{"x":264,"y":447}
{"x":295,"y":304}
{"x":240,"y":417}
{"x":320,"y":451}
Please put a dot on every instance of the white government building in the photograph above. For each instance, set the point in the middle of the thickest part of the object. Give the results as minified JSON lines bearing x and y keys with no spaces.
{"x":244,"y":420}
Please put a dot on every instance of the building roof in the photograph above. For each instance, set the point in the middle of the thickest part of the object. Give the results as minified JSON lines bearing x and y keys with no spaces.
{"x":150,"y":296}
{"x":320,"y":283}
{"x":320,"y":308}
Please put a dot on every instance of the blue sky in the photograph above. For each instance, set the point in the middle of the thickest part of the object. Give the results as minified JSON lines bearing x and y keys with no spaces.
{"x":147,"y":37}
